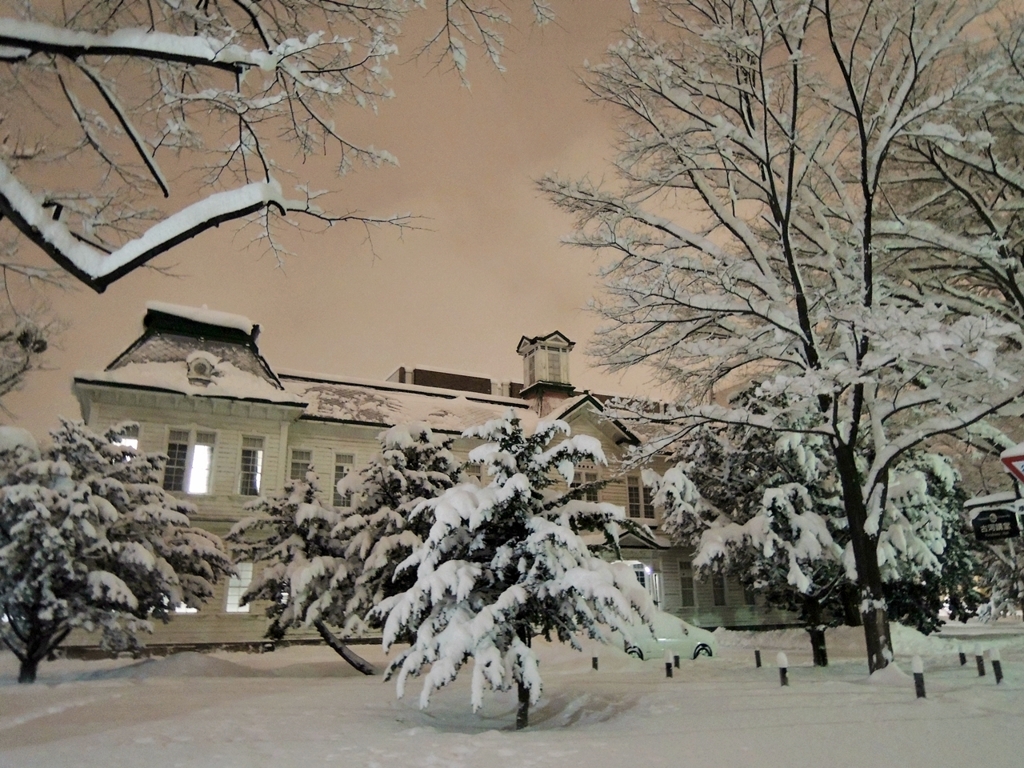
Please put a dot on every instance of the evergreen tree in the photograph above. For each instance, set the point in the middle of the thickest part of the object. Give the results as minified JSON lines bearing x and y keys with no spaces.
{"x":507,"y":562}
{"x":327,"y":566}
{"x":768,"y":509}
{"x":89,"y":540}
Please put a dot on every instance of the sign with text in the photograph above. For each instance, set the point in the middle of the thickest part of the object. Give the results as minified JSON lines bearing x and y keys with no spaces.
{"x":996,"y":523}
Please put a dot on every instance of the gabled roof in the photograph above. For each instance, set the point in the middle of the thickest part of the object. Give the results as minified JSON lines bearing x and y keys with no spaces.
{"x":573,"y":404}
{"x":557,"y":336}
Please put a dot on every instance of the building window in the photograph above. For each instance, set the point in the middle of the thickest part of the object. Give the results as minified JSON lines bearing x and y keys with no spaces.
{"x":473,"y":472}
{"x":633,"y":496}
{"x":554,"y":365}
{"x":236,"y":588}
{"x":189,"y":461}
{"x":718,"y":589}
{"x":129,"y":437}
{"x":639,"y":499}
{"x":749,"y":598}
{"x":251,"y":477}
{"x":590,"y":479}
{"x":686,"y":586}
{"x":299,"y":465}
{"x":342,"y":466}
{"x":531,"y":369}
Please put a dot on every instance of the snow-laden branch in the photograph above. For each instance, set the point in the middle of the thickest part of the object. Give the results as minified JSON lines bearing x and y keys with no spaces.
{"x":97,"y":268}
{"x":35,"y":37}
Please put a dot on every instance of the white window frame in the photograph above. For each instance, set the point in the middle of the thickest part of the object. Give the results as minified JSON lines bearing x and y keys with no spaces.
{"x":718,"y":579}
{"x":197,"y":437}
{"x":260,"y":458}
{"x":236,"y":588}
{"x":291,"y":462}
{"x":687,"y":586}
{"x":130,"y":438}
{"x":348,"y":461}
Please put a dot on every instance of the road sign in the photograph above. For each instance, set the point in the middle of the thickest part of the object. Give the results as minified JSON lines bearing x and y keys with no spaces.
{"x":996,"y":523}
{"x":1013,"y":460}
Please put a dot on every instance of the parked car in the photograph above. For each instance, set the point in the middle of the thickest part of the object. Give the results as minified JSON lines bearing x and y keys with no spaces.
{"x":670,"y":634}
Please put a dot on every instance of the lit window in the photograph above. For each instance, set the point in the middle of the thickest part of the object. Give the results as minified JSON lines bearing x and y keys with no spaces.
{"x":718,"y":589}
{"x":251,"y":476}
{"x":300,"y":464}
{"x":129,"y":437}
{"x":236,"y":588}
{"x":686,"y":599}
{"x":202,"y":463}
{"x":189,"y":461}
{"x":342,"y":466}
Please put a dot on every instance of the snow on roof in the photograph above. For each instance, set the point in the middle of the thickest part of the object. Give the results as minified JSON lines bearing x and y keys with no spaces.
{"x":203,"y":315}
{"x":388,"y":403}
{"x":228,"y":381}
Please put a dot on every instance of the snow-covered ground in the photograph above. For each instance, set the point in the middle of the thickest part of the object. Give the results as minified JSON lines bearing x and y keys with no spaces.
{"x":303,"y":706}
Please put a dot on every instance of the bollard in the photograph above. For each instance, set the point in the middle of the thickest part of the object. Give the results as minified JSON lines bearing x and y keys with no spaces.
{"x":783,"y":668}
{"x":675,"y":661}
{"x":593,"y":663}
{"x":668,"y":663}
{"x":997,"y":665}
{"x":963,"y":656}
{"x":918,"y":667}
{"x":980,"y":660}
{"x":757,"y":659}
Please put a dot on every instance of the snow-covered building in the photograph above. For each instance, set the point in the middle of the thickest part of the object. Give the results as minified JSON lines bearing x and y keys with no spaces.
{"x":233,"y":427}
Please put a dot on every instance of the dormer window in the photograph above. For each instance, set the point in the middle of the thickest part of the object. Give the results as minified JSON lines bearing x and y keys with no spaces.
{"x":201,"y":368}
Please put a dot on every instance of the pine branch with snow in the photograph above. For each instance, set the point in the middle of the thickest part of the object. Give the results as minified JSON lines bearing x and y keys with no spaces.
{"x":89,"y":540}
{"x":327,"y":566}
{"x":508,"y":562}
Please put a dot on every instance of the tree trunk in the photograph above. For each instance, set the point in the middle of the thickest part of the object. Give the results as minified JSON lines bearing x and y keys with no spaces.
{"x":851,"y":610}
{"x":342,"y":650}
{"x":865,"y":554}
{"x":812,"y":615}
{"x":27,"y":672}
{"x":523,"y":713}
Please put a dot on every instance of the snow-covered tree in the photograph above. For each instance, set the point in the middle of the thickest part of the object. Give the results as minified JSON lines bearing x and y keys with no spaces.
{"x":1003,"y":578}
{"x":763,"y":227}
{"x":174,"y":117}
{"x":90,"y":540}
{"x":505,"y":563}
{"x":326,"y":566}
{"x":414,"y":465}
{"x":767,"y":509}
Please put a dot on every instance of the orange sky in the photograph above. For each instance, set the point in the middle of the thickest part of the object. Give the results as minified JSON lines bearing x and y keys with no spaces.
{"x":458,"y":296}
